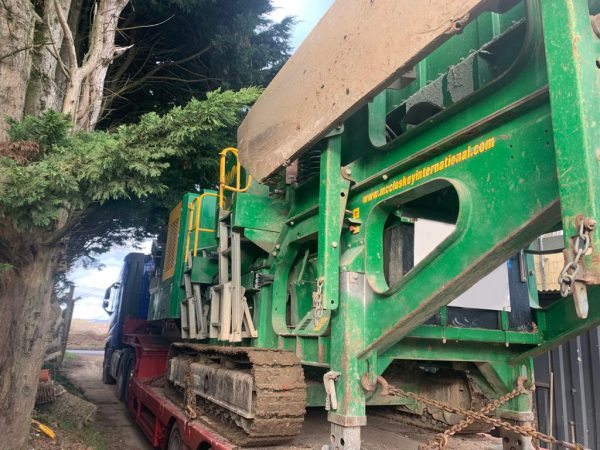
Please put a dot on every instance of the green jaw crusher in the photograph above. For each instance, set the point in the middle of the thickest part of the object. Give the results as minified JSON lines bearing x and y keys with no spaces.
{"x":405,"y":160}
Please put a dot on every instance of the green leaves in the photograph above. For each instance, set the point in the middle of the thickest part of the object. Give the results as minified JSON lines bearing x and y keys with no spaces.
{"x":50,"y":128}
{"x":161,"y":156}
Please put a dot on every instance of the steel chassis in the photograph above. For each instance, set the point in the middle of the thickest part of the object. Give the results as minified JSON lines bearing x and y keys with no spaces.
{"x":521,"y":154}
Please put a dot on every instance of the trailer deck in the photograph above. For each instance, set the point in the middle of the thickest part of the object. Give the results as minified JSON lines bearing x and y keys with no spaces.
{"x":381,"y":433}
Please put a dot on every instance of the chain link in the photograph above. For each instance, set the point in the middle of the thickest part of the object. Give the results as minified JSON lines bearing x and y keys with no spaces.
{"x":482,"y":415}
{"x":582,"y":244}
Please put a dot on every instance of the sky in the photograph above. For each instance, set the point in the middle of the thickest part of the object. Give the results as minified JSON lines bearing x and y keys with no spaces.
{"x":92,"y":283}
{"x":307,"y":13}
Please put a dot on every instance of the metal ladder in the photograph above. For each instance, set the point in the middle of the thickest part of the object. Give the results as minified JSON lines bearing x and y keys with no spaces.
{"x":230,"y":318}
{"x":194,"y":314}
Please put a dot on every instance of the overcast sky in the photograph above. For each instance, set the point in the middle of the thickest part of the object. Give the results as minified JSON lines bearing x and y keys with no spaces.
{"x":91,"y":283}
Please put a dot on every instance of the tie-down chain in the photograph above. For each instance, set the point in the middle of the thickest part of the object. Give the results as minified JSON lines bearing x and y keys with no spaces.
{"x":483,"y":415}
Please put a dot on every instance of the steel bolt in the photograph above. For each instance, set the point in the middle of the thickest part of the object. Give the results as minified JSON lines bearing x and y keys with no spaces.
{"x":274,"y":253}
{"x":334,"y":244}
{"x":277,"y":246}
{"x":348,"y":171}
{"x":385,"y":177}
{"x":292,"y":223}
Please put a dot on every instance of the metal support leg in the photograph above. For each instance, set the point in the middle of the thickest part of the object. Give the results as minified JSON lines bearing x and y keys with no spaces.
{"x":347,"y":334}
{"x":572,"y":60}
{"x":343,"y":438}
{"x":333,"y":195}
{"x":513,"y":441}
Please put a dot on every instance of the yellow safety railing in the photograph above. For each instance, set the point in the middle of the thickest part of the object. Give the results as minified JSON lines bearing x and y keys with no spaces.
{"x":194,"y":222}
{"x":224,"y":179}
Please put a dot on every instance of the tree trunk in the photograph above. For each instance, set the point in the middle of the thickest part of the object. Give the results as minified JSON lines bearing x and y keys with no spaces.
{"x":83,"y":98}
{"x":24,"y":308}
{"x":73,"y":22}
{"x":68,"y":319}
{"x":43,"y":92}
{"x":17,"y":25}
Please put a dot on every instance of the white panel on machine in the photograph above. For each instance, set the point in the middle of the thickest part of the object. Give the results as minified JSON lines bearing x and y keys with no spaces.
{"x":491,"y":292}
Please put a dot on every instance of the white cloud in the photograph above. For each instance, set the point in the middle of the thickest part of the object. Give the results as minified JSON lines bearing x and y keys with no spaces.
{"x":284,"y":8}
{"x":306,"y":12}
{"x":90,"y":284}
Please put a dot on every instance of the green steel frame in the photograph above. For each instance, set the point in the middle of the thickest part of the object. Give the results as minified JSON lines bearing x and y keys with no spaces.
{"x":514,"y":158}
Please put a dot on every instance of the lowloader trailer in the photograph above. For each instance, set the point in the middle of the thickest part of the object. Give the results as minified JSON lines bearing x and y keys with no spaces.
{"x":370,"y":242}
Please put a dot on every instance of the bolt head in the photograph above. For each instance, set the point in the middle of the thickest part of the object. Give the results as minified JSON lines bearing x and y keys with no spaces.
{"x":348,"y":171}
{"x":385,"y":177}
{"x":334,"y":244}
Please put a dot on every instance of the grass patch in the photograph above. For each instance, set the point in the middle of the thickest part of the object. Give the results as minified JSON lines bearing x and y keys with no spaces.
{"x":70,"y":356}
{"x":88,"y":435}
{"x":70,"y":387}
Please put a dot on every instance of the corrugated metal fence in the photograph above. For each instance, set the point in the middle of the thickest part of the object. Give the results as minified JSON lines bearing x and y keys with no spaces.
{"x":574,"y":370}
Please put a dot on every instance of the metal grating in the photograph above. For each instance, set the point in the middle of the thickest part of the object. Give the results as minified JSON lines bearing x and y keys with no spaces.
{"x":172,"y":241}
{"x":576,"y":400}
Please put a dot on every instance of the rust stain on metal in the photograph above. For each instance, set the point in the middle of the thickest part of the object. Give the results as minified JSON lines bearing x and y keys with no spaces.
{"x":354,"y":51}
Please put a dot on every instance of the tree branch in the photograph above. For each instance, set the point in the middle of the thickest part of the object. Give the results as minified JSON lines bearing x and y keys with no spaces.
{"x":147,"y":26}
{"x":150,"y":75}
{"x":55,"y":237}
{"x":55,"y":53}
{"x":68,"y":36}
{"x":22,"y":49}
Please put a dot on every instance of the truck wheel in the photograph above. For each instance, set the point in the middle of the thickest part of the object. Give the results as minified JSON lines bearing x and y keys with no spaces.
{"x":175,"y":439}
{"x":106,"y":376}
{"x":123,"y":374}
{"x":129,"y":368}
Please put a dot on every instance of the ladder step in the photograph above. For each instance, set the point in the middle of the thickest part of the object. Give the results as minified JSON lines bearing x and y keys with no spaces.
{"x":225,"y":251}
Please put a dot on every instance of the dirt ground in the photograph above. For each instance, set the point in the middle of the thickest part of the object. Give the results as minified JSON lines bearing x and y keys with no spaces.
{"x":382,"y":434}
{"x":112,"y":419}
{"x":87,"y":335}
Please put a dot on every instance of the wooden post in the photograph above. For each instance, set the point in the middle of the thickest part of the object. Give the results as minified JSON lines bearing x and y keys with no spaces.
{"x":67,"y":318}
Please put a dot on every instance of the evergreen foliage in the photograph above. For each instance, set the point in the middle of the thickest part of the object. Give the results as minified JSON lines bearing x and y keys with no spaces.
{"x":138,"y":162}
{"x":185,"y":48}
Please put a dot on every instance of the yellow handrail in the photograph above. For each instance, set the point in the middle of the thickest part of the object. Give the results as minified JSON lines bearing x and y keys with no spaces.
{"x":196,"y":207}
{"x":223,"y":186}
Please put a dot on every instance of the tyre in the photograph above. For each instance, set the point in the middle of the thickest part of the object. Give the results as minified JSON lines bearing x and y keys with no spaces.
{"x":106,"y":376}
{"x":129,"y":368}
{"x":175,"y":442}
{"x":123,"y":374}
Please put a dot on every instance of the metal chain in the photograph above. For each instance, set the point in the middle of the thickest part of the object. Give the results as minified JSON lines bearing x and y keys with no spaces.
{"x":318,"y":301}
{"x":441,"y":440}
{"x":582,"y":244}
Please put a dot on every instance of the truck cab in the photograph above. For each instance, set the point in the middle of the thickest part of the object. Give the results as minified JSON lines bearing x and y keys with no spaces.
{"x":126,"y":299}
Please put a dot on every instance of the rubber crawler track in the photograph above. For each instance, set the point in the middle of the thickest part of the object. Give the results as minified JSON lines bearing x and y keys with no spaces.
{"x":279,"y":403}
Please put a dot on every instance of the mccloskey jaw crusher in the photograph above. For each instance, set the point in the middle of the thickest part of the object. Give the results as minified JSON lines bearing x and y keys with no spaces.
{"x":407,"y":158}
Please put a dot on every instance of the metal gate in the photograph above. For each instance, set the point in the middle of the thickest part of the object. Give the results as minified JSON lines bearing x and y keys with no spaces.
{"x":568,"y":390}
